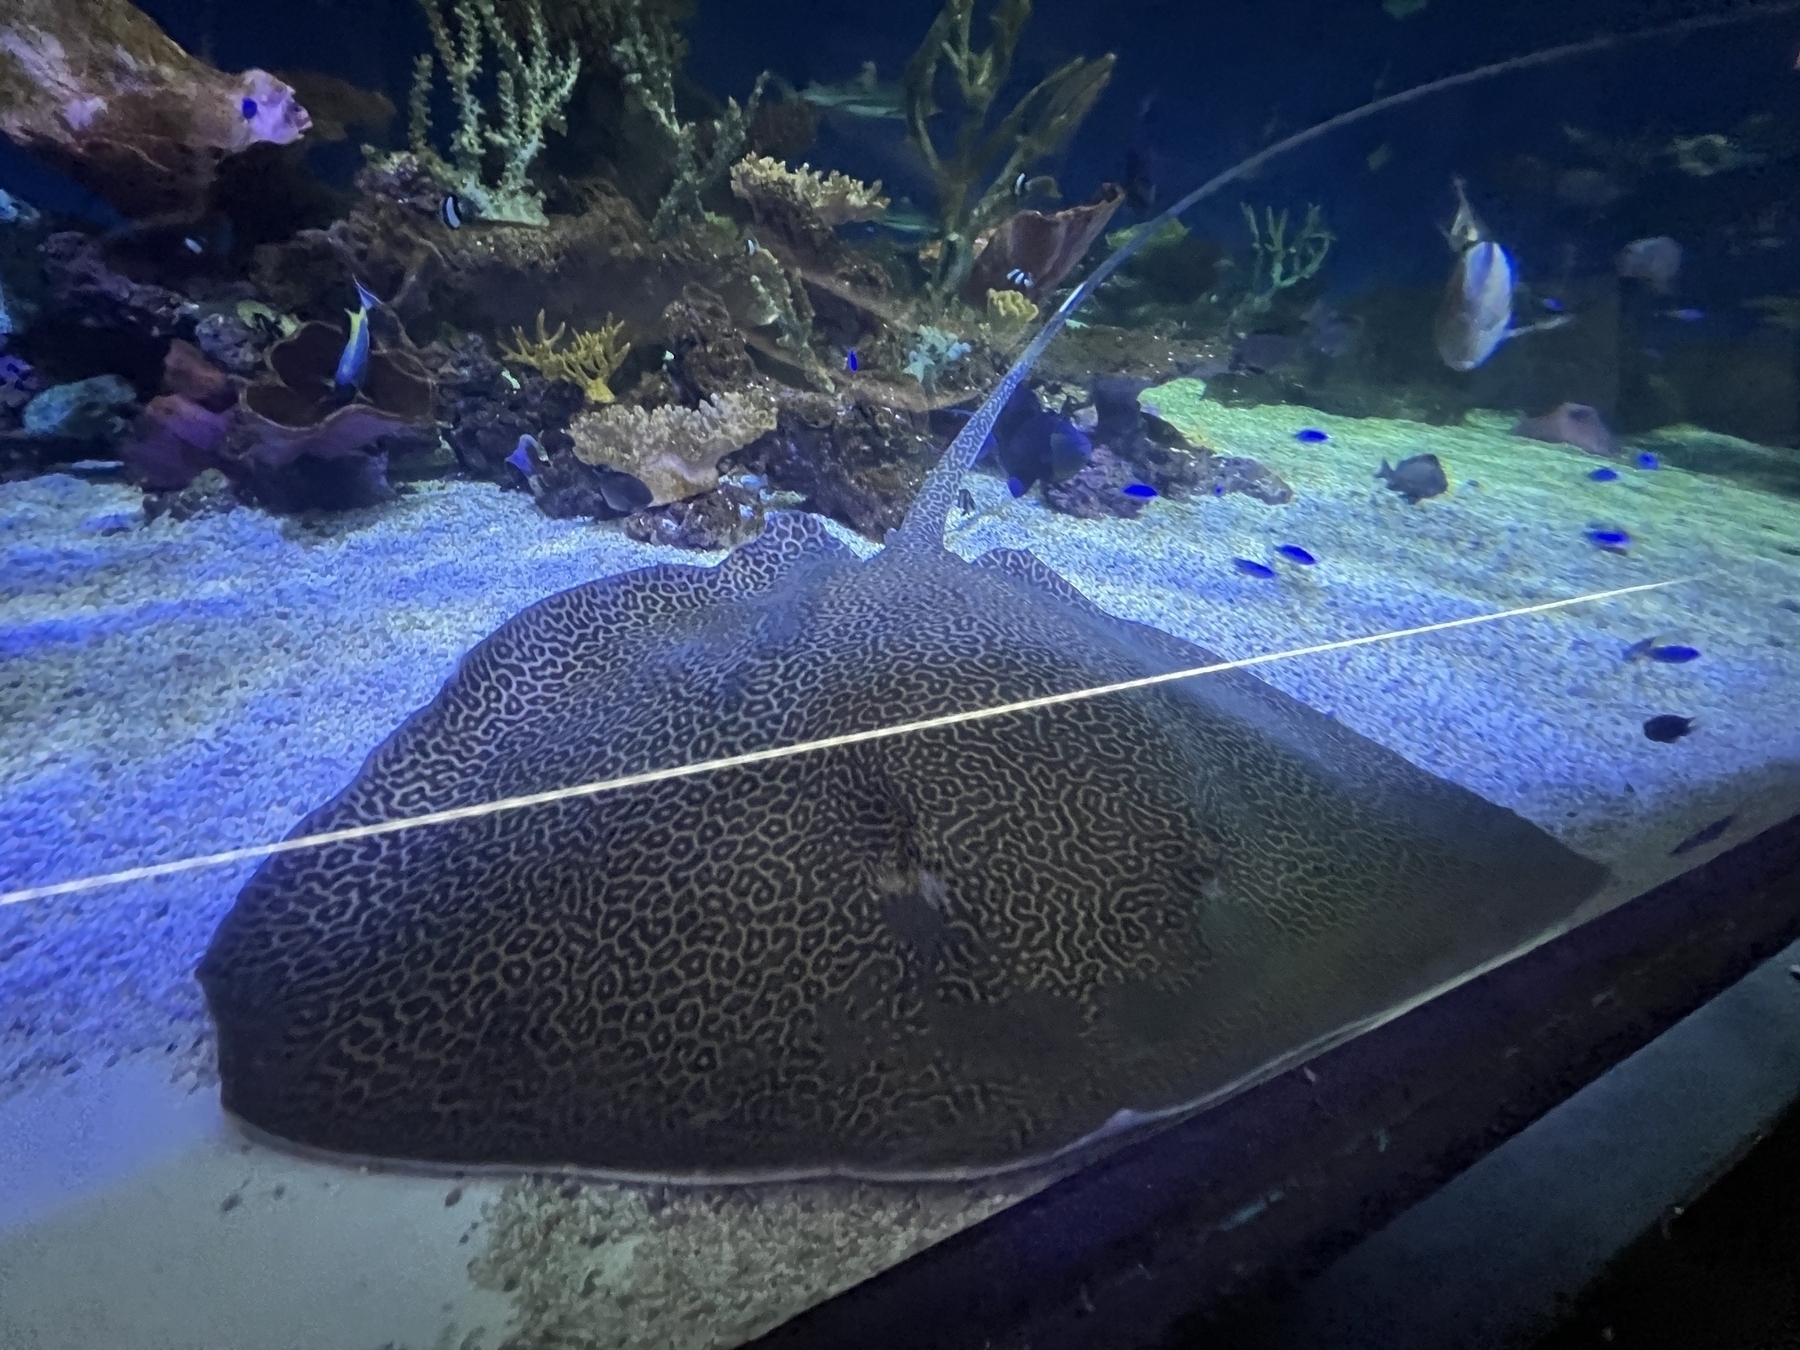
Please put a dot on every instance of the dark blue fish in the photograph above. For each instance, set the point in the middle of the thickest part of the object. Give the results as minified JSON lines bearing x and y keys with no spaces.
{"x":1674,"y":655}
{"x":1142,"y":491}
{"x":1613,"y":541}
{"x":1705,"y":836}
{"x":1310,"y":435}
{"x":450,"y":212}
{"x":1218,"y":489}
{"x":1251,"y":568}
{"x":248,"y":108}
{"x":1639,"y":648}
{"x":12,"y":370}
{"x":1646,"y":460}
{"x":1294,"y":553}
{"x":1036,"y":446}
{"x":521,"y":459}
{"x":1604,"y":475}
{"x":1667,"y":728}
{"x":1551,"y":303}
{"x":623,"y":492}
{"x":851,"y":364}
{"x":1016,"y":486}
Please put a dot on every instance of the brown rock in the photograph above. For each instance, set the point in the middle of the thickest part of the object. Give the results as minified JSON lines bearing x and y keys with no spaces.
{"x":96,"y":89}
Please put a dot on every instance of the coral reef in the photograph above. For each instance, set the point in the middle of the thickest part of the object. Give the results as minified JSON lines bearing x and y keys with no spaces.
{"x":854,"y":460}
{"x":531,"y":86}
{"x":85,"y":292}
{"x":95,"y":89}
{"x":589,"y":360}
{"x":674,"y":451}
{"x":484,"y":411}
{"x":974,"y":177}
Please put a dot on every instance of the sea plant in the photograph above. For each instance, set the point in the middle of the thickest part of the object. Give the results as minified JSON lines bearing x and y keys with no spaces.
{"x":974,"y":174}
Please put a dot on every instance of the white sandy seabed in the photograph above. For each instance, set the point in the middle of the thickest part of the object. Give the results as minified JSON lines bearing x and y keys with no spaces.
{"x":181,"y":688}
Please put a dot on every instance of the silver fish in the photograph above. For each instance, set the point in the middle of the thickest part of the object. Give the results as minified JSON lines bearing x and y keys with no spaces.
{"x":1475,"y":316}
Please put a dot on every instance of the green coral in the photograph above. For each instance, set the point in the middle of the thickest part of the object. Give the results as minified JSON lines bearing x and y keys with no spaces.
{"x":934,"y":353}
{"x":1281,"y":262}
{"x":647,"y":49}
{"x":975,"y":174}
{"x":531,"y":88}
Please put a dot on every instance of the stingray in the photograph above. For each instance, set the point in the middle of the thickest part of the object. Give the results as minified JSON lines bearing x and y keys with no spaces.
{"x":944,"y":953}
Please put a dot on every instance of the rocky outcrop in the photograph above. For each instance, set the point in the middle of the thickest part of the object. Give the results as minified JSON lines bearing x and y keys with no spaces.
{"x":97,"y":90}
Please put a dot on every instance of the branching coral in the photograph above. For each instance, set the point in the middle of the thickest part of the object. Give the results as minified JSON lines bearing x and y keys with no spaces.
{"x":1282,"y":262}
{"x":590,"y":360}
{"x":530,"y":91}
{"x":1038,"y":124}
{"x":762,"y":183}
{"x":674,"y":451}
{"x":647,"y":52}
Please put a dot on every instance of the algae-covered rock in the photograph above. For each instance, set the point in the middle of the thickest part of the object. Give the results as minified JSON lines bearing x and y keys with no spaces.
{"x":86,"y":410}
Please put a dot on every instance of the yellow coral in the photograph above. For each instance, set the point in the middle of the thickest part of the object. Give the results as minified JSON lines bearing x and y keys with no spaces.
{"x":590,"y":359}
{"x":1008,"y":311}
{"x":835,"y":199}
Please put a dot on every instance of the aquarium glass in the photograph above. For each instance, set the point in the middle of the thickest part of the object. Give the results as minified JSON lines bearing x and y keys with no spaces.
{"x":653,"y":652}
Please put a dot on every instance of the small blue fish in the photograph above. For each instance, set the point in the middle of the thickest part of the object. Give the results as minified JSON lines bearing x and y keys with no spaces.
{"x":1016,"y":486}
{"x":1551,"y":303}
{"x":248,"y":108}
{"x":1142,"y":491}
{"x":1310,"y":435}
{"x":521,"y":457}
{"x":1613,"y":541}
{"x":1251,"y":568}
{"x":851,"y":364}
{"x":1218,"y":489}
{"x":1685,"y":315}
{"x":1295,"y":554}
{"x":1604,"y":475}
{"x":1674,"y":655}
{"x":12,"y":370}
{"x":450,"y":212}
{"x":353,"y":365}
{"x":1646,"y":460}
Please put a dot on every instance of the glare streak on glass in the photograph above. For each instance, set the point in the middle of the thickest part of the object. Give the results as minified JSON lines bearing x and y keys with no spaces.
{"x":481,"y":809}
